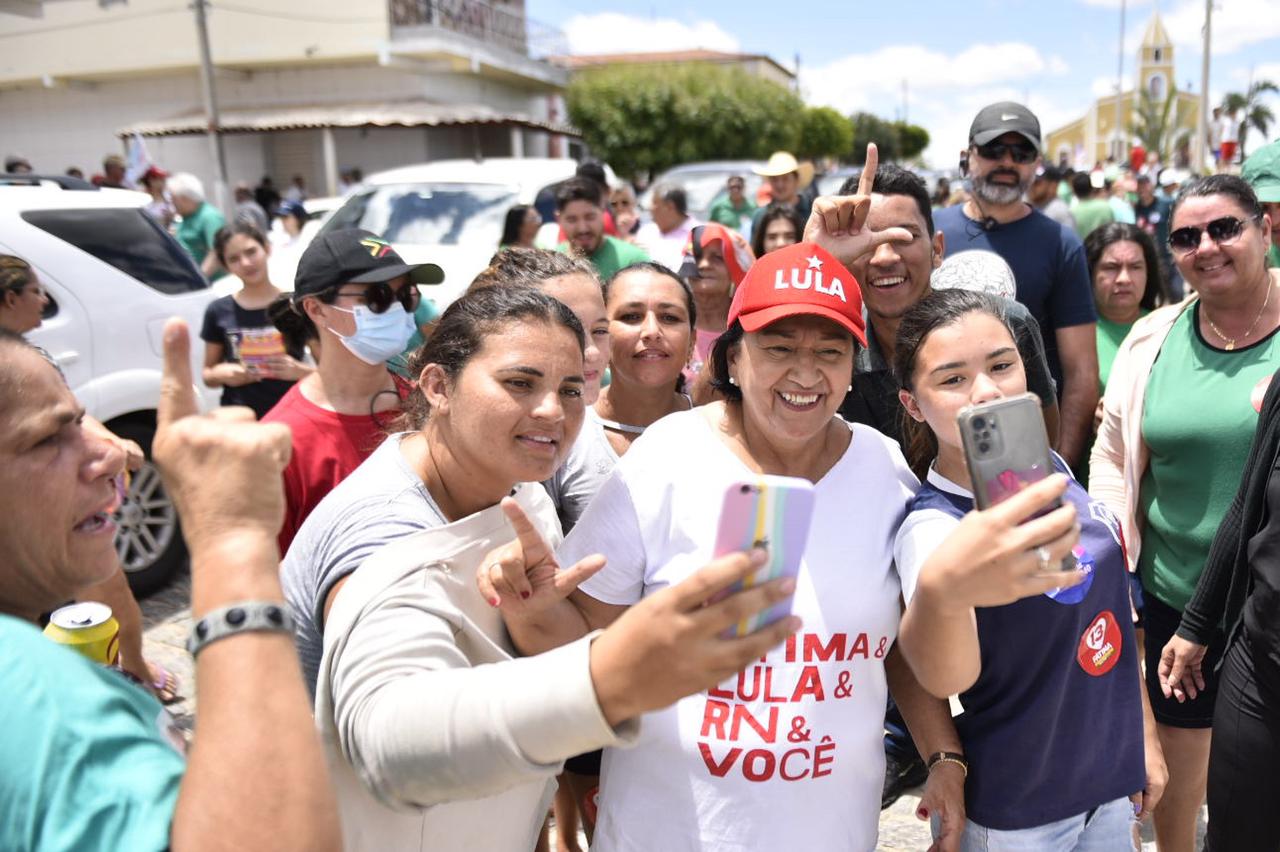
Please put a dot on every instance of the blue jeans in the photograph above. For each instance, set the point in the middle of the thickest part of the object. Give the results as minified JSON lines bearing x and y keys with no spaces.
{"x":1108,"y":829}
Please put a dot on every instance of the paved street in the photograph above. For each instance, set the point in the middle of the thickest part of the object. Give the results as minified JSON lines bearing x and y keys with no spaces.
{"x":167,"y":621}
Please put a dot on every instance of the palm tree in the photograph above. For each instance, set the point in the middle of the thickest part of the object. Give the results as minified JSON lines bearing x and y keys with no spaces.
{"x":1253,"y":113}
{"x":1158,"y":124}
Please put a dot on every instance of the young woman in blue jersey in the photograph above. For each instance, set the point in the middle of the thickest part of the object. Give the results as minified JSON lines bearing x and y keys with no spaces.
{"x":1054,"y":721}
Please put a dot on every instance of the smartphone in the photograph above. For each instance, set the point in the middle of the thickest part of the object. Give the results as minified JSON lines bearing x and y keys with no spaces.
{"x":1006,"y":449}
{"x":773,"y":512}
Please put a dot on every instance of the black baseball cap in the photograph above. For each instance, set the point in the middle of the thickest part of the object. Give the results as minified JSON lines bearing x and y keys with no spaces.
{"x":352,"y":256}
{"x":996,"y":120}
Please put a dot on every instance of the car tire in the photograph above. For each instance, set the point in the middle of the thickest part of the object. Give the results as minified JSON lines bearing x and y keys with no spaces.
{"x":148,"y":535}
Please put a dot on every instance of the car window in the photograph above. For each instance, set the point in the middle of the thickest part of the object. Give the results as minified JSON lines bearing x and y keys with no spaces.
{"x":128,"y":239}
{"x":430,"y":214}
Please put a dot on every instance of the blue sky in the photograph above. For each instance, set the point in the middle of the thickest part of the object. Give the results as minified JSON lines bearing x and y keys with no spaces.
{"x":955,"y":56}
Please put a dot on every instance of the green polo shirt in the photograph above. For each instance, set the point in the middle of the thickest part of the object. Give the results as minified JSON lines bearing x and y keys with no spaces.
{"x":613,"y":254}
{"x":196,"y":232}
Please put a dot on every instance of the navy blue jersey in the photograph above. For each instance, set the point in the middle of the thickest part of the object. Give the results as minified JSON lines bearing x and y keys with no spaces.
{"x":1053,"y":725}
{"x":1048,"y":263}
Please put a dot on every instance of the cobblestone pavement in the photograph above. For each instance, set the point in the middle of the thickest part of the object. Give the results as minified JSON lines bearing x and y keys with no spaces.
{"x":166,"y":618}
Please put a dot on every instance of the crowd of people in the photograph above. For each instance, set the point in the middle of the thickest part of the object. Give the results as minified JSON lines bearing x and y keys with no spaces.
{"x":465,"y":562}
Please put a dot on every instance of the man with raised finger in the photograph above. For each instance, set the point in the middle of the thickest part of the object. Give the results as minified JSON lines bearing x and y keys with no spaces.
{"x":1047,"y":258}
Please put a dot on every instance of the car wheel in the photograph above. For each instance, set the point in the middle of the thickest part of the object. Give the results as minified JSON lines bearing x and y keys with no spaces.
{"x":148,"y":536}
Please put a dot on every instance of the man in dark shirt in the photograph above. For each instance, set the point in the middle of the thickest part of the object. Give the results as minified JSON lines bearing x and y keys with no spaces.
{"x":1047,"y":259}
{"x":1153,"y":212}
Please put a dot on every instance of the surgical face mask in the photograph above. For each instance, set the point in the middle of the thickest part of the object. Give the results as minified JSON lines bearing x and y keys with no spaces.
{"x":378,"y":337}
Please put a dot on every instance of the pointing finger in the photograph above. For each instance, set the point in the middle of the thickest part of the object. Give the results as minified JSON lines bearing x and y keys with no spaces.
{"x":868,"y":177}
{"x":177,"y":393}
{"x":531,"y":542}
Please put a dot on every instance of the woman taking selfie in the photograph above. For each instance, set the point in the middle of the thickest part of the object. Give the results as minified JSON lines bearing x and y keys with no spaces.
{"x":1180,"y":411}
{"x":966,"y":626}
{"x":433,"y":729}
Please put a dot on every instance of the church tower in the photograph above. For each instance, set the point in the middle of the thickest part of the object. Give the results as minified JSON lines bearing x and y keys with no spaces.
{"x":1155,"y":61}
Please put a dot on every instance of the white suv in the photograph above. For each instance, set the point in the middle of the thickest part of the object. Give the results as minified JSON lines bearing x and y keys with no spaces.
{"x":113,"y":278}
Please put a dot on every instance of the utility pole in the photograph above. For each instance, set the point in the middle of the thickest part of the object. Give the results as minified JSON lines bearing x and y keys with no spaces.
{"x":1202,"y":134}
{"x":1118,"y":148}
{"x":220,"y":189}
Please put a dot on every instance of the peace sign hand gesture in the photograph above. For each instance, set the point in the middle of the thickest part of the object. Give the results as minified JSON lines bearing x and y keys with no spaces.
{"x":838,"y":222}
{"x":522,"y":577}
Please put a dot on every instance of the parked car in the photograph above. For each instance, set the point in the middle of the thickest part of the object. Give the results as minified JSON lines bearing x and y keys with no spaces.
{"x":704,"y":183}
{"x":830,"y":183}
{"x":113,"y":277}
{"x":449,"y":212}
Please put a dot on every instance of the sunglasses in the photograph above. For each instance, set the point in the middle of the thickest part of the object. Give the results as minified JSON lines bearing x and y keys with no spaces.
{"x":379,"y":296}
{"x":1224,"y":232}
{"x":1021,"y":152}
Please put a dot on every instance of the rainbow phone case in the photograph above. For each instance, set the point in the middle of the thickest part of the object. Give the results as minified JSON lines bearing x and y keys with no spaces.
{"x":775,"y":512}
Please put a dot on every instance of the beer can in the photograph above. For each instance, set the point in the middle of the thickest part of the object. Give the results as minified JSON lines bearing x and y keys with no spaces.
{"x":88,"y":628}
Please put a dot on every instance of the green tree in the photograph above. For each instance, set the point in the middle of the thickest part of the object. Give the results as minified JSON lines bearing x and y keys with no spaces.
{"x":824,"y":132}
{"x":1160,"y":125}
{"x":872,"y":128}
{"x":1248,"y":107}
{"x":912,"y":140}
{"x":642,"y":119}
{"x":896,"y":140}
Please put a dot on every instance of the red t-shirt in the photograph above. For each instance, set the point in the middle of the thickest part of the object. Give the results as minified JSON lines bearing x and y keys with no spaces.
{"x":327,"y":446}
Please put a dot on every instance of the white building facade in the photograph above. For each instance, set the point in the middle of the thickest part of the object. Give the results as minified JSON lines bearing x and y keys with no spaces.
{"x":304,"y":87}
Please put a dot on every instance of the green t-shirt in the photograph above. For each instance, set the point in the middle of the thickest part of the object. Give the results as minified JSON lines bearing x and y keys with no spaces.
{"x":1110,"y":336}
{"x":726,"y":214}
{"x":1273,"y":253}
{"x":1198,"y":421}
{"x":196,"y":233}
{"x":613,"y":254}
{"x":1092,"y":214}
{"x":85,"y":760}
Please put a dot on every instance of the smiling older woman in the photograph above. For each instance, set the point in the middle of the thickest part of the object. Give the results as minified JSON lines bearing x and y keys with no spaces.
{"x":1179,"y":413}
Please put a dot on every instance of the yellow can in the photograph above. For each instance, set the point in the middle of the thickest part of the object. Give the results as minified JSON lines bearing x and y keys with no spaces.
{"x":88,"y":628}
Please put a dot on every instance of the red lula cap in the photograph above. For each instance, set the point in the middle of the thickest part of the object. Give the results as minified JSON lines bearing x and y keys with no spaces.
{"x":799,"y":279}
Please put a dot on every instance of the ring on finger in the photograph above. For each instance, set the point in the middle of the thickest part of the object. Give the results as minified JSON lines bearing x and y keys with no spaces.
{"x":1044,"y":557}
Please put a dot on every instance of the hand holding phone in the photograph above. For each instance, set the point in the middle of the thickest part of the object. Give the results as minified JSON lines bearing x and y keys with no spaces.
{"x":772,"y":512}
{"x":1006,"y":449}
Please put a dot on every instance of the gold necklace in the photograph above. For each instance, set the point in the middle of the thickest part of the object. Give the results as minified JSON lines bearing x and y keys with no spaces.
{"x":1231,"y":341}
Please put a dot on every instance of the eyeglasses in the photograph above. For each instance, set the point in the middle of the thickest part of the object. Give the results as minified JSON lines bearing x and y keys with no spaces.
{"x":379,"y":296}
{"x":1021,"y":152}
{"x":1224,"y":232}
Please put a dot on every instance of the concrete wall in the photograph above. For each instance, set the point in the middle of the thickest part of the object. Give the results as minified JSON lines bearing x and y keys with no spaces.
{"x":78,"y":38}
{"x":75,"y":125}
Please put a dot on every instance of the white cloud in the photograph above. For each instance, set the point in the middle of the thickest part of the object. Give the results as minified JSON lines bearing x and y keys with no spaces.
{"x":1241,"y":77}
{"x":1103,"y":86}
{"x":614,"y":32}
{"x":944,"y":91}
{"x":1113,"y":4}
{"x":1236,"y":24}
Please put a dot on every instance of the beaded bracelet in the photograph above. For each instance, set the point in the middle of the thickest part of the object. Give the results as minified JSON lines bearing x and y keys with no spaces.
{"x":949,"y":757}
{"x":240,"y":617}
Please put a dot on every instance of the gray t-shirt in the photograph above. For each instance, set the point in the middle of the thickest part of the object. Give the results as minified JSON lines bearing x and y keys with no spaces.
{"x":382,"y":500}
{"x":591,"y":460}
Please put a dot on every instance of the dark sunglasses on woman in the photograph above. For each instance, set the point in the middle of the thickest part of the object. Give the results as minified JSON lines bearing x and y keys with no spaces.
{"x":1224,"y":232}
{"x":1021,"y":152}
{"x":379,"y":296}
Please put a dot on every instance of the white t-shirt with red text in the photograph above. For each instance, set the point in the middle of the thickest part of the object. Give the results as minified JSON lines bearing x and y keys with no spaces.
{"x":789,"y":754}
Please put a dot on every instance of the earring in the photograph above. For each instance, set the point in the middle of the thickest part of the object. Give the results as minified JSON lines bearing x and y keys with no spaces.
{"x":733,"y":381}
{"x":849,"y":389}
